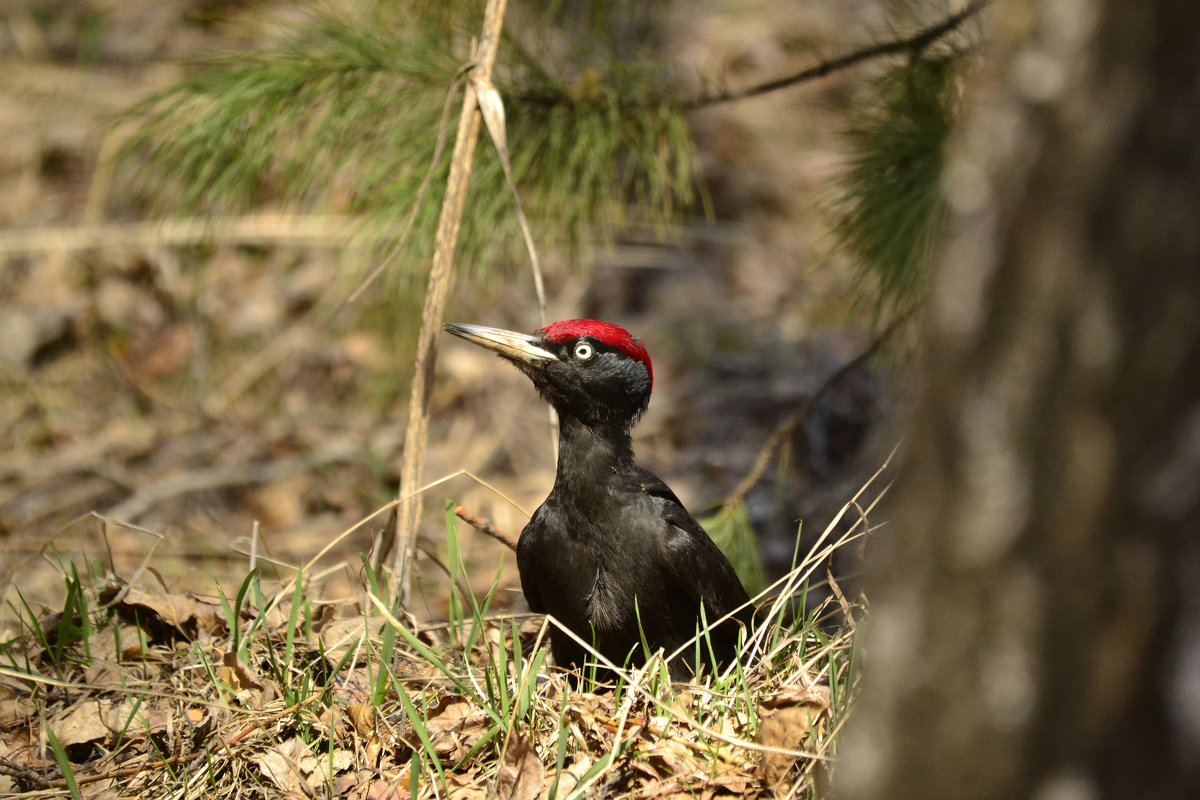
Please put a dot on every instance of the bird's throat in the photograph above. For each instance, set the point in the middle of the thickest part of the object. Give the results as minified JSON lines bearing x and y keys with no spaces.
{"x":590,"y":454}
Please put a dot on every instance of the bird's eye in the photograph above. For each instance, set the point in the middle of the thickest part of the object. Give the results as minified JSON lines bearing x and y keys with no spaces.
{"x":584,"y":351}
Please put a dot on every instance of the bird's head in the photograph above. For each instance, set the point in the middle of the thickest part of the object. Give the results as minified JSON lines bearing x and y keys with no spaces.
{"x":595,"y":371}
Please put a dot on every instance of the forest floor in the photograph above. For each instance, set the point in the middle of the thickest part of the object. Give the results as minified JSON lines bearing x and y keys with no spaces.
{"x":184,"y":425}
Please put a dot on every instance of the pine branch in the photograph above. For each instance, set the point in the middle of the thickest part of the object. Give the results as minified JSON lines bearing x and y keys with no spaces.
{"x":340,"y":114}
{"x":888,"y":205}
{"x":911,"y":45}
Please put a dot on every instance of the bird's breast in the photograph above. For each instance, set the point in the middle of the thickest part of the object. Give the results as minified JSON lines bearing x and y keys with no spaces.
{"x":591,"y":569}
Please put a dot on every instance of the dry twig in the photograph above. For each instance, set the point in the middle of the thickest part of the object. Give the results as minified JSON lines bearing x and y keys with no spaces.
{"x":485,"y":527}
{"x":785,"y":428}
{"x":911,"y":45}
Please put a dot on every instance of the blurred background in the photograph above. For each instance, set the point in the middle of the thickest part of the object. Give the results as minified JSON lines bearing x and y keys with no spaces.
{"x":196,"y":371}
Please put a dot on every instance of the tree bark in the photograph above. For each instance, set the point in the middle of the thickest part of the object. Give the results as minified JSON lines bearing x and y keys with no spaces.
{"x":1035,"y":630}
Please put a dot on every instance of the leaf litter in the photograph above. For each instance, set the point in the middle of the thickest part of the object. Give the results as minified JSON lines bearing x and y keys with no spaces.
{"x":161,"y":694}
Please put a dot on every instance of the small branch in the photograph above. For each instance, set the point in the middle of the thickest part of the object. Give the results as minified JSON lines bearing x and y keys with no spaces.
{"x":484,"y":526}
{"x":785,"y":428}
{"x":912,"y":45}
{"x":312,"y":230}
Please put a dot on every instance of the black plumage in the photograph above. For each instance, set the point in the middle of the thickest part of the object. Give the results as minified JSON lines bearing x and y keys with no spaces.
{"x":612,"y":553}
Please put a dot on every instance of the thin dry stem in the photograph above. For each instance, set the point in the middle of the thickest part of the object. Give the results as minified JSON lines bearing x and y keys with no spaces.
{"x":449,"y":222}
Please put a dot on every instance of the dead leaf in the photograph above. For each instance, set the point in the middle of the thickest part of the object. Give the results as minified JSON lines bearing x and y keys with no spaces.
{"x":671,"y":787}
{"x":455,"y":725}
{"x":733,"y":781}
{"x":325,"y":766}
{"x":235,"y":673}
{"x":16,"y":710}
{"x":342,"y":635}
{"x":593,"y":717}
{"x":249,"y":689}
{"x":671,"y":757}
{"x":569,"y":778}
{"x":785,"y":722}
{"x":93,"y":720}
{"x":163,"y":352}
{"x":281,"y":504}
{"x":364,"y":718}
{"x":281,"y":766}
{"x":185,"y":613}
{"x":467,"y":786}
{"x":385,"y":790}
{"x":521,"y":776}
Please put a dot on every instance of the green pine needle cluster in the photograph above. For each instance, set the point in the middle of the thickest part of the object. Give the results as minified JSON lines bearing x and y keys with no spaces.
{"x":888,"y":204}
{"x":733,"y":532}
{"x":344,"y":112}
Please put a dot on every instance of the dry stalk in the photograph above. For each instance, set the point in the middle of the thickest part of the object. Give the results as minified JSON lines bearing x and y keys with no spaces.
{"x":449,"y":222}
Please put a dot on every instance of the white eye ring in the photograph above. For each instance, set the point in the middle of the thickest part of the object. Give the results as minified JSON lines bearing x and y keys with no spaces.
{"x":584,"y":351}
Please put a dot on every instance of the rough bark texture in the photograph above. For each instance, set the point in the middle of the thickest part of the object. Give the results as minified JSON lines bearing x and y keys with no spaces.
{"x":1035,"y":627}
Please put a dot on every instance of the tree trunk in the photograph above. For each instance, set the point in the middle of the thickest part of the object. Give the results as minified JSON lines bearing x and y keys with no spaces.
{"x":1035,"y":632}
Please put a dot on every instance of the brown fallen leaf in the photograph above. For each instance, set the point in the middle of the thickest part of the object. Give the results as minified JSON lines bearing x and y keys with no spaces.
{"x":322,"y":767}
{"x":671,"y":757}
{"x":162,"y":352}
{"x":521,"y":776}
{"x":185,"y":613}
{"x":385,"y":790}
{"x":105,"y":665}
{"x":785,"y":722}
{"x":734,"y":781}
{"x":281,"y":504}
{"x":671,"y":787}
{"x":455,"y":725}
{"x":594,"y":718}
{"x":280,"y":765}
{"x":364,"y":718}
{"x":16,"y":708}
{"x":93,"y":720}
{"x":467,"y":786}
{"x":342,"y":635}
{"x":569,"y":778}
{"x":249,"y":689}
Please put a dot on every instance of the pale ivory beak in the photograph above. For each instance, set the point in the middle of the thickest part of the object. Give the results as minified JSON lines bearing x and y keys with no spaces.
{"x":510,"y":344}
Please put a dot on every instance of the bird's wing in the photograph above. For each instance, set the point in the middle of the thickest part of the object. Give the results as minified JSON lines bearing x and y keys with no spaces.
{"x":529,"y":570}
{"x":693,"y":560}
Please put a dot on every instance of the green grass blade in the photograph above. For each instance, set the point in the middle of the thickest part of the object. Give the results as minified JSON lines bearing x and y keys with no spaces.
{"x":64,"y":763}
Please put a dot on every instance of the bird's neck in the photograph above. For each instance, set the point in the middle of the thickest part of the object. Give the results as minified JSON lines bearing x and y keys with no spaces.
{"x":590,"y":454}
